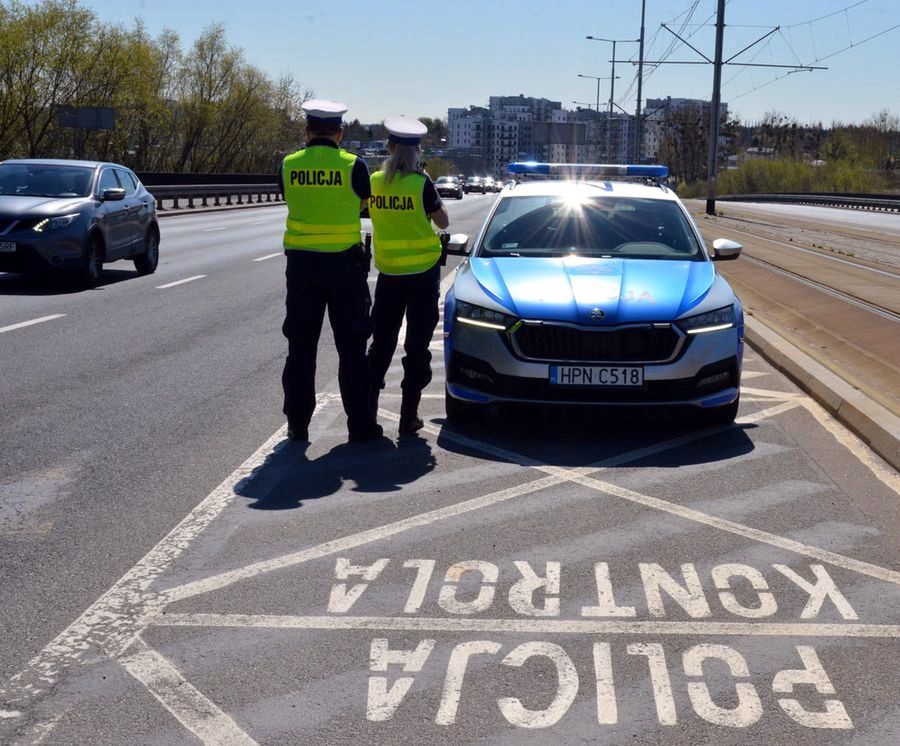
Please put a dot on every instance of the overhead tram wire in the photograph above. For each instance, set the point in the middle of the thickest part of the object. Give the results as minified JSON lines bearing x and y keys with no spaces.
{"x":817,"y":60}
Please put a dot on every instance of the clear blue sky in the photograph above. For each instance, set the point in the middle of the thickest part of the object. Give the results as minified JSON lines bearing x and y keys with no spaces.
{"x":418,"y":58}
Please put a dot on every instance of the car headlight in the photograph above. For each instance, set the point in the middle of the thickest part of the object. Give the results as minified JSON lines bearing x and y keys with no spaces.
{"x":711,"y":321}
{"x":51,"y":224}
{"x":468,"y":313}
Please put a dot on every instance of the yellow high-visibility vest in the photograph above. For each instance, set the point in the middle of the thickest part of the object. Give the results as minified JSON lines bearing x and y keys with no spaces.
{"x":323,"y":209}
{"x":404,"y":241}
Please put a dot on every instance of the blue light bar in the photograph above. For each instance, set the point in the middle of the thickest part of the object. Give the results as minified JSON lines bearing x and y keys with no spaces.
{"x":588,"y":169}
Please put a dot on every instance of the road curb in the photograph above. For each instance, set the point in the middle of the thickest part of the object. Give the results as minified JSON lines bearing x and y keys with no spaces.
{"x":874,"y":424}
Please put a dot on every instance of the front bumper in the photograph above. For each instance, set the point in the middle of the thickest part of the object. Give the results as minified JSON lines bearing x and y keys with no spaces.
{"x":43,"y":252}
{"x":482,"y":367}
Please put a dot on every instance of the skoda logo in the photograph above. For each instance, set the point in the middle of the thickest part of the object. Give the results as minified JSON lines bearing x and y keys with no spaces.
{"x":598,"y":313}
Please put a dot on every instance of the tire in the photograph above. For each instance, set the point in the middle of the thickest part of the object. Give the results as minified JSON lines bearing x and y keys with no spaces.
{"x":722,"y":415}
{"x":146,"y":263}
{"x":90,"y":273}
{"x":458,"y":410}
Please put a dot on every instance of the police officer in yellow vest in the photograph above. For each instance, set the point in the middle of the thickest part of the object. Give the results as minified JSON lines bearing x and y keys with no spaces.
{"x":403,"y":205}
{"x":325,"y":187}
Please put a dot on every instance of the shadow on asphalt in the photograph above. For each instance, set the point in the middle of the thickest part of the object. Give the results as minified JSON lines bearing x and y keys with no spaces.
{"x":579,"y":438}
{"x":57,"y":283}
{"x":288,"y":478}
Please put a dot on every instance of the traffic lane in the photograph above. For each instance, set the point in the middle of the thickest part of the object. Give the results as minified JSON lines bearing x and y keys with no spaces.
{"x":114,"y":428}
{"x":282,"y":614}
{"x":157,"y":399}
{"x":190,"y":250}
{"x":190,"y":245}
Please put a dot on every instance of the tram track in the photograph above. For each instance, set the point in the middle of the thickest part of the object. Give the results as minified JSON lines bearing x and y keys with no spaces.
{"x":825,"y":288}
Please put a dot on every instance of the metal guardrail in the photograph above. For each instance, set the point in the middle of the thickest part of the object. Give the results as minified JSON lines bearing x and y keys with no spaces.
{"x":879,"y":202}
{"x":219,"y":194}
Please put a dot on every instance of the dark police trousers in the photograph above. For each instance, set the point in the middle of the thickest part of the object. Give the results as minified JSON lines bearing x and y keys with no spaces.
{"x":416,"y":296}
{"x":339,"y":282}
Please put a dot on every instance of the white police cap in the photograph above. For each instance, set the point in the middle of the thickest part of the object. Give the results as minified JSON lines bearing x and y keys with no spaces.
{"x":405,"y":130}
{"x":325,"y":110}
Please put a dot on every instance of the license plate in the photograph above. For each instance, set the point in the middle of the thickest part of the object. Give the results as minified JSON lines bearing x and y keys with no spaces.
{"x":590,"y":375}
{"x":7,"y":247}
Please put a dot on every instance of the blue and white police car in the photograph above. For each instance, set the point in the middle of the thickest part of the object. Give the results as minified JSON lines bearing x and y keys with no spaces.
{"x":592,"y":287}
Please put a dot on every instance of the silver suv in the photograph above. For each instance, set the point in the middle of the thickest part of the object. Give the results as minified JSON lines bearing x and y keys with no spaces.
{"x":75,"y":216}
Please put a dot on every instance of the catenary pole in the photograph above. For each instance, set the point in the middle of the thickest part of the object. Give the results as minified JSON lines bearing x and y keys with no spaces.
{"x":637,"y":118}
{"x":612,"y":90}
{"x":714,"y":113}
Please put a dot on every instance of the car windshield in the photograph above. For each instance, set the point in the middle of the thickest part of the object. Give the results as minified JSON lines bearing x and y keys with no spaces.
{"x":473,"y":180}
{"x":621,"y":227}
{"x":446,"y":180}
{"x":39,"y":180}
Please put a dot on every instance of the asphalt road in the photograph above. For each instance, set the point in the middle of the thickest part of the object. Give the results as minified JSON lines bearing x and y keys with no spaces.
{"x":529,"y":578}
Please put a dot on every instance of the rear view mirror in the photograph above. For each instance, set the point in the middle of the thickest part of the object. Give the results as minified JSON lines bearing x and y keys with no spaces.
{"x":112,"y":194}
{"x":724,"y":249}
{"x":458,"y":244}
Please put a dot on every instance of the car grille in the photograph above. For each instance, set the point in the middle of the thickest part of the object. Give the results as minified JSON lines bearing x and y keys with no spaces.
{"x":641,"y":344}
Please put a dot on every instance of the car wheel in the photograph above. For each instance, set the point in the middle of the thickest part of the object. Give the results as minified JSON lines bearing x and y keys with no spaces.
{"x":722,"y":415}
{"x":458,"y":410}
{"x":146,"y":263}
{"x":91,"y":270}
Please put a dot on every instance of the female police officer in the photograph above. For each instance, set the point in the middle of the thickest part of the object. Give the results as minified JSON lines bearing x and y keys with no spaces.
{"x":403,"y":204}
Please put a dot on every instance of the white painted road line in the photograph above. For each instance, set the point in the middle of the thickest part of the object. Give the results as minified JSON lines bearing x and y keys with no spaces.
{"x":187,"y":704}
{"x":213,"y":230}
{"x":180,"y":282}
{"x":23,"y":324}
{"x":268,"y":256}
{"x":528,"y":626}
{"x":258,"y":222}
{"x":607,"y":488}
{"x":229,"y":577}
{"x":112,"y":622}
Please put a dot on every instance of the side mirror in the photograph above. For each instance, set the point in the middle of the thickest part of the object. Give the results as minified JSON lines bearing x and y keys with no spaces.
{"x":458,"y":244}
{"x":112,"y":194}
{"x":725,"y":249}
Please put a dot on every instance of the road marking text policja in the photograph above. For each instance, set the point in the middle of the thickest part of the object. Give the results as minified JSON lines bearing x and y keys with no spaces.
{"x":741,"y":590}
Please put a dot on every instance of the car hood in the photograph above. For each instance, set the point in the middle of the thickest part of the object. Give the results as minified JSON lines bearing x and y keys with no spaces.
{"x":571,"y":288}
{"x":11,"y":205}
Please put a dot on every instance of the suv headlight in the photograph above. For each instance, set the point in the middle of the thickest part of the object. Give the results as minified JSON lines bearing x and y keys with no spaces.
{"x":51,"y":224}
{"x":711,"y":321}
{"x":468,"y":313}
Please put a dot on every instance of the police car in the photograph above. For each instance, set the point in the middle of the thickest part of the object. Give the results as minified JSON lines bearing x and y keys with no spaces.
{"x":592,"y":287}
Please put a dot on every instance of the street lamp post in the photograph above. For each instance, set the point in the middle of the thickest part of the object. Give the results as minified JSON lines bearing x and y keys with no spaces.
{"x":612,"y":86}
{"x":612,"y":83}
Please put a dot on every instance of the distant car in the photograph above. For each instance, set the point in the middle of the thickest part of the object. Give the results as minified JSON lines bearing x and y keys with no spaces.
{"x":488,"y":184}
{"x":589,"y":290}
{"x":474,"y":184}
{"x":75,"y":216}
{"x":449,"y":186}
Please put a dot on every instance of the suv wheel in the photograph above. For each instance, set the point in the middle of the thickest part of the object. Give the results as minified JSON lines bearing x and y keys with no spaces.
{"x":91,"y":270}
{"x":146,"y":263}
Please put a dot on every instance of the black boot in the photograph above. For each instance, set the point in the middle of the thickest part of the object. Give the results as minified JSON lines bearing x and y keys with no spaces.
{"x":410,"y":422}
